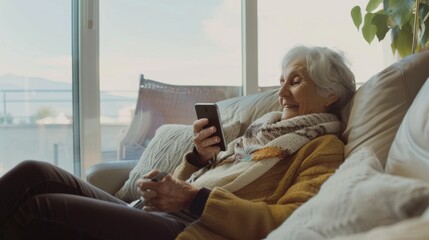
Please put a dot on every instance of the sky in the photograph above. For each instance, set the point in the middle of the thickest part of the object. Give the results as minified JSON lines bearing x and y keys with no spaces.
{"x":178,"y":42}
{"x":35,"y":38}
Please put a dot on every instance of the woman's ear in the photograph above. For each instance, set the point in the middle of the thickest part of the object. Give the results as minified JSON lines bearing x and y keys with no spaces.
{"x":332,"y":98}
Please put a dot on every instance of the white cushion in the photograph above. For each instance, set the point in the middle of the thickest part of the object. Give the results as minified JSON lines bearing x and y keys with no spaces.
{"x":409,"y":153}
{"x":164,"y":152}
{"x":357,"y":198}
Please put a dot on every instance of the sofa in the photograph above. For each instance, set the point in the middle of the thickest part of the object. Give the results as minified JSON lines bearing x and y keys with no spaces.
{"x":380,"y":189}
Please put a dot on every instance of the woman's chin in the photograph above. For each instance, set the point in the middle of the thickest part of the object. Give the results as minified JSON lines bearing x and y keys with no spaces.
{"x":288,"y":115}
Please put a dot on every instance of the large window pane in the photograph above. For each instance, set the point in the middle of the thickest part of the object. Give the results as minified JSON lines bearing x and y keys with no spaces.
{"x":179,"y":43}
{"x":35,"y":83}
{"x":284,"y":24}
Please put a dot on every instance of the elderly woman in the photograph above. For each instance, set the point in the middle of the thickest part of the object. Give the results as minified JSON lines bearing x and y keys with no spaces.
{"x":243,"y":193}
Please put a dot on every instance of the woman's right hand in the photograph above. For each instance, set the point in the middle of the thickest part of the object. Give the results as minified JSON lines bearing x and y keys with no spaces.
{"x":203,"y":142}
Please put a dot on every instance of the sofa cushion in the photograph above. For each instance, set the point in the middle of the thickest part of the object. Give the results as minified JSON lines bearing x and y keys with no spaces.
{"x":357,"y":198}
{"x":378,"y":107}
{"x":409,"y":154}
{"x":164,"y":152}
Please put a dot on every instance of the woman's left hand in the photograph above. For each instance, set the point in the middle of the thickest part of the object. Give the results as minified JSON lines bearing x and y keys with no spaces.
{"x":168,"y":194}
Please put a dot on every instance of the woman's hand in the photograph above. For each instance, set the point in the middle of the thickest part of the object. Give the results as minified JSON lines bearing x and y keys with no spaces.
{"x":167,"y":195}
{"x":203,"y":142}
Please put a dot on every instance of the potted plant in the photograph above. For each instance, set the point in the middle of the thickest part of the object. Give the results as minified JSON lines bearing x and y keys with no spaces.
{"x":407,"y":21}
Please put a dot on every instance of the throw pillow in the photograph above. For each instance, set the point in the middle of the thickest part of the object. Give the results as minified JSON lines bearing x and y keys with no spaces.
{"x":409,"y":154}
{"x":164,"y":152}
{"x":357,"y":198}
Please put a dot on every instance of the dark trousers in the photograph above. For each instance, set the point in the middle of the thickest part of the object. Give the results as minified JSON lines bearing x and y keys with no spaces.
{"x":41,"y":201}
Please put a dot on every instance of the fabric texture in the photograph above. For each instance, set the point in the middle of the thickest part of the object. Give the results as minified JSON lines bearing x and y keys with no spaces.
{"x":412,"y":229}
{"x":409,"y":154}
{"x":265,"y":142}
{"x":374,"y":114}
{"x":357,"y":198}
{"x":264,"y":204}
{"x":165,"y":152}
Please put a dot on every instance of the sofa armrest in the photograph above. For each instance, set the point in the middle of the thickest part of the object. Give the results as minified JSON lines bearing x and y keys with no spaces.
{"x":110,"y":176}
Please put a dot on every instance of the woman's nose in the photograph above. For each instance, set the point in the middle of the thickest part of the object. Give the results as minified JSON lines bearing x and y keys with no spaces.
{"x":284,"y":90}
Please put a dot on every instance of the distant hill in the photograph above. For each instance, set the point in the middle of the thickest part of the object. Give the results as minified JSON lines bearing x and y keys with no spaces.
{"x":25,"y":96}
{"x":13,"y":82}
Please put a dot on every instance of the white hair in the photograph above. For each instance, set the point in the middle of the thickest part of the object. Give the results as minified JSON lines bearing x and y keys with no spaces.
{"x":328,"y":70}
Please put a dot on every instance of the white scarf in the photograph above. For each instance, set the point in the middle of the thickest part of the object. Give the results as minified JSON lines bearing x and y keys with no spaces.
{"x":265,"y":142}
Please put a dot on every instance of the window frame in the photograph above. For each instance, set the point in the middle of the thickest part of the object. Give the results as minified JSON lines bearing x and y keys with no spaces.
{"x":86,"y":90}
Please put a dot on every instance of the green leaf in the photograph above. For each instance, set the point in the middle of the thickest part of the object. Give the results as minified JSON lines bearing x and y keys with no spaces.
{"x":402,"y":40}
{"x":369,"y":30}
{"x":356,"y":16}
{"x":372,"y":5}
{"x":380,"y":21}
{"x":390,"y":22}
{"x":399,"y":10}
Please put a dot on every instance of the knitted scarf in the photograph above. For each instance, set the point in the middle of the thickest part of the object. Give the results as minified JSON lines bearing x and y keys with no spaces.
{"x":265,"y":142}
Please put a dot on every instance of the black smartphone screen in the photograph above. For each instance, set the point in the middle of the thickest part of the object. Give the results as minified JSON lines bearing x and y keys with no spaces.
{"x":211,"y":112}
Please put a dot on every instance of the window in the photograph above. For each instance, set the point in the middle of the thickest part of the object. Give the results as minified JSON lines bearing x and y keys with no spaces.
{"x":284,"y":24}
{"x":35,"y":83}
{"x":180,"y":43}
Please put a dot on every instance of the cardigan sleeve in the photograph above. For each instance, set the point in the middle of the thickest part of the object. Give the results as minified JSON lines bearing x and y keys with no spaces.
{"x":186,"y":168}
{"x":230,"y":216}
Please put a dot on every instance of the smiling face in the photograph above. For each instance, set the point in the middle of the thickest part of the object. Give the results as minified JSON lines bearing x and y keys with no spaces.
{"x":298,"y":93}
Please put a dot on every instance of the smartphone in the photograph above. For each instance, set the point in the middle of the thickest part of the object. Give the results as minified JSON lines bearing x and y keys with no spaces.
{"x":159,"y":177}
{"x":211,"y":112}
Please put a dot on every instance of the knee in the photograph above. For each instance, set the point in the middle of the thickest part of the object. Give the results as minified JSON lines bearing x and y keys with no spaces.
{"x":33,"y":166}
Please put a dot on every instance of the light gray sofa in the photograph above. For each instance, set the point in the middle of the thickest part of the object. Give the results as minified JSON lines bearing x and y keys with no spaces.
{"x":371,"y":119}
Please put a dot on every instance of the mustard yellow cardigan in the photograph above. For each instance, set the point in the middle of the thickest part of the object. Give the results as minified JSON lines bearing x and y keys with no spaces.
{"x":260,"y":207}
